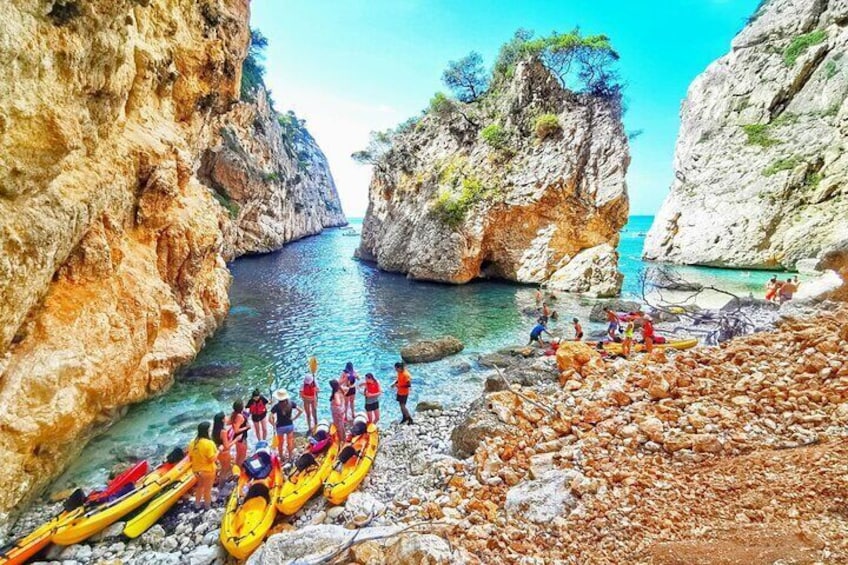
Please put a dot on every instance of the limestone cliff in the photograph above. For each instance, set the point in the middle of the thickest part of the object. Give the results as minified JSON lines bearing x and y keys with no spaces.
{"x":270,"y":175}
{"x":525,"y":184}
{"x":760,"y":163}
{"x":112,"y":270}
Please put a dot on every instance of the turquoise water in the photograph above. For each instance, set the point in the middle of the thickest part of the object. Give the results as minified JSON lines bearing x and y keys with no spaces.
{"x":313,"y":298}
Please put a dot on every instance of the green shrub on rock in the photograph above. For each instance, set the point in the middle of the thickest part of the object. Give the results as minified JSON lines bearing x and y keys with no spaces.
{"x":495,"y":136}
{"x":547,"y":125}
{"x":800,"y":44}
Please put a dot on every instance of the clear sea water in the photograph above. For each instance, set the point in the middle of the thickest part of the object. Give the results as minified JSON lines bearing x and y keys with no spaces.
{"x":313,"y":298}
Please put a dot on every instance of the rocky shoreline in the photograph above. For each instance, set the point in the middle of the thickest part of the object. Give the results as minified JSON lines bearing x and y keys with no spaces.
{"x":572,"y":459}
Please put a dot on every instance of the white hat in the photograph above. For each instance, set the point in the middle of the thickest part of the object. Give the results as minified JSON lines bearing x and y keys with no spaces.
{"x":309,"y":379}
{"x":281,"y":395}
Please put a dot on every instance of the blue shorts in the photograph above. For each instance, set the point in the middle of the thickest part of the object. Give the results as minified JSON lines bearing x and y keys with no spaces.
{"x":283,"y":430}
{"x":613,"y":326}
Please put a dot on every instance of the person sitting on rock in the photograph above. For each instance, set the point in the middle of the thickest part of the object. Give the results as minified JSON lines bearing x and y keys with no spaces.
{"x":578,"y":330}
{"x":536,"y":333}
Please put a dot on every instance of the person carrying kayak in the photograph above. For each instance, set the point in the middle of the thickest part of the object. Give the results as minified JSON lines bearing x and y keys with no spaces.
{"x":371,"y":389}
{"x":613,"y":324}
{"x":648,"y":333}
{"x":309,"y":396}
{"x":537,"y":331}
{"x":258,"y":408}
{"x":337,"y":409}
{"x":221,"y":437}
{"x":347,"y":380}
{"x":202,"y":455}
{"x":403,"y":384}
{"x":238,"y":430}
{"x":283,"y":415}
{"x":578,"y":330}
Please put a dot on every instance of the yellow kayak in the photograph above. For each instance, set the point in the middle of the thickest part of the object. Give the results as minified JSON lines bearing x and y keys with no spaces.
{"x":680,"y":344}
{"x":160,"y":505}
{"x":99,"y":517}
{"x":348,"y":475}
{"x":250,"y":511}
{"x":300,"y":486}
{"x":23,"y":549}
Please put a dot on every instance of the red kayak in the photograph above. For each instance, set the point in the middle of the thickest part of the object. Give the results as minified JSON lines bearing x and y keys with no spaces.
{"x":116,"y":485}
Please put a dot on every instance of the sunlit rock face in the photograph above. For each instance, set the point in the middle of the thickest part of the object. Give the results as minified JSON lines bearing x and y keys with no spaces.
{"x":760,"y":165}
{"x":112,"y":271}
{"x":546,"y":201}
{"x":271,"y":176}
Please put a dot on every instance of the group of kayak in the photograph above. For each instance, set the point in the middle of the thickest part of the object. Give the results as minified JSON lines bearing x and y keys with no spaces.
{"x":264,"y":488}
{"x":620,"y":335}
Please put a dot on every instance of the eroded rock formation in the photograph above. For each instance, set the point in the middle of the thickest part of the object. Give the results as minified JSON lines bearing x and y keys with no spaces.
{"x":760,"y":164}
{"x":450,"y":203}
{"x":273,"y":179}
{"x":112,"y":269}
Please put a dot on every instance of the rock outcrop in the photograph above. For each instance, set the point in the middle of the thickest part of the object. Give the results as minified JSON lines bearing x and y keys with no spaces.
{"x":526,"y":184}
{"x":112,"y":271}
{"x":273,"y":179}
{"x":427,"y":351}
{"x":760,"y":163}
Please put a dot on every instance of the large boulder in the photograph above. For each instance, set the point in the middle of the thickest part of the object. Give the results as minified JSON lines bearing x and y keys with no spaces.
{"x":543,"y":499}
{"x":431,"y":350}
{"x":479,"y":425}
{"x":577,"y":356}
{"x":421,"y":549}
{"x":593,"y":272}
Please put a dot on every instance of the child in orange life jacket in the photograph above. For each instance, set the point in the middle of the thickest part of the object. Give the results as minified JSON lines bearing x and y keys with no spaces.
{"x":371,"y":389}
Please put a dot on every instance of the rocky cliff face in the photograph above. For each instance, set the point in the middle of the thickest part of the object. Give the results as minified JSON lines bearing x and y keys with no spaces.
{"x":273,"y":179}
{"x":112,"y":269}
{"x":487,"y":190}
{"x":760,"y":164}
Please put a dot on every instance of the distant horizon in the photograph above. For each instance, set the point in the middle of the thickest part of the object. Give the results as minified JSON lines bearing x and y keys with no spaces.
{"x":357,"y":66}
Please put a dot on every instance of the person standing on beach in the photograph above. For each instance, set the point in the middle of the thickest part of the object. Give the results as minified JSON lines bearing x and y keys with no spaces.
{"x":578,"y":330}
{"x":309,"y":396}
{"x":239,"y":428}
{"x":629,"y":330}
{"x":283,"y":415}
{"x":337,"y":409}
{"x":787,"y":291}
{"x":347,"y":380}
{"x":771,"y":288}
{"x":614,"y":322}
{"x":371,"y":389}
{"x":222,"y":438}
{"x":258,"y":408}
{"x":403,"y":384}
{"x":202,"y":455}
{"x":648,"y":333}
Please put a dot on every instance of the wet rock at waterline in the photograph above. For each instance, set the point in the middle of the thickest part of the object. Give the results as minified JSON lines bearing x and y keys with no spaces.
{"x":431,"y":350}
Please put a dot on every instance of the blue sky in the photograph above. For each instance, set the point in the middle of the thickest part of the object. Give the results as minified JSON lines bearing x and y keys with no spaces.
{"x":352,"y":66}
